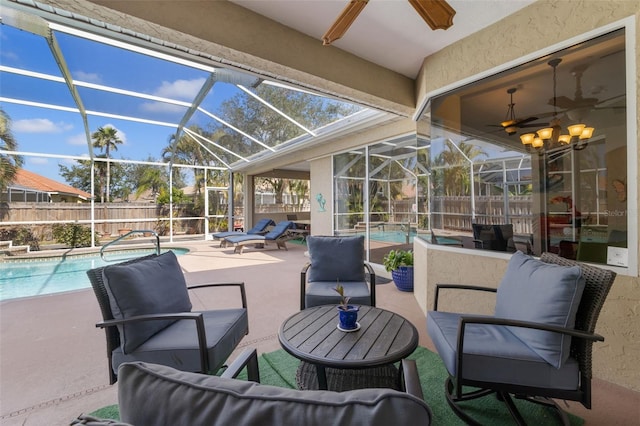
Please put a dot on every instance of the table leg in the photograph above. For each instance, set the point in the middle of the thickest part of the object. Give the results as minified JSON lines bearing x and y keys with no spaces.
{"x":322,"y":377}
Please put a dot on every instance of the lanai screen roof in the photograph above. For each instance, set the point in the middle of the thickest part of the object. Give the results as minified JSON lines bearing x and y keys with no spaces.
{"x":59,"y":84}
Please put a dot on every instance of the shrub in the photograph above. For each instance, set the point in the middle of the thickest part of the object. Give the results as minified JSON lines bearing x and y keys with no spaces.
{"x":397,"y":258}
{"x":73,"y":235}
{"x":21,"y":236}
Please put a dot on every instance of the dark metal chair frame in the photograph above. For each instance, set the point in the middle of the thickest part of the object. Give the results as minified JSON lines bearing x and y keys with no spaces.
{"x":598,"y":284}
{"x":109,"y":324}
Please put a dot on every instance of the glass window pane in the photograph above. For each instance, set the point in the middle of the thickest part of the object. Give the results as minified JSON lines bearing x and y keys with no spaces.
{"x":567,"y":197}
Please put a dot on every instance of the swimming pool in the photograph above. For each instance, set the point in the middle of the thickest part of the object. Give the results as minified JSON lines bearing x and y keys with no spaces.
{"x":400,"y":237}
{"x":35,"y":277}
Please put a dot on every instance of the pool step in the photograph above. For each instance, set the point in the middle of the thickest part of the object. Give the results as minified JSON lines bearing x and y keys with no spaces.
{"x":14,"y":250}
{"x":5,"y":244}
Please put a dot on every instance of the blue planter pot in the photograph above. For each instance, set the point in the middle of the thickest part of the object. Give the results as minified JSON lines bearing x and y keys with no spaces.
{"x":403,"y":278}
{"x":348,"y":319}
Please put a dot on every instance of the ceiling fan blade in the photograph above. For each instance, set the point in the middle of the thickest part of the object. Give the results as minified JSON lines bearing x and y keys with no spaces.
{"x":344,"y":21}
{"x":436,"y":13}
{"x":521,"y":123}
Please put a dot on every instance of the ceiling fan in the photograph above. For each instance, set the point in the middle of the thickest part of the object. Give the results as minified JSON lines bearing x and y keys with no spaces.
{"x":437,"y":13}
{"x":511,"y":124}
{"x":579,"y":107}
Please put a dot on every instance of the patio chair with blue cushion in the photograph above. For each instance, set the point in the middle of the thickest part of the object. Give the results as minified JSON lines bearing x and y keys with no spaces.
{"x":537,"y":346}
{"x":336,"y":260}
{"x":147,"y":317}
{"x":260,"y":228}
{"x":279,"y":234}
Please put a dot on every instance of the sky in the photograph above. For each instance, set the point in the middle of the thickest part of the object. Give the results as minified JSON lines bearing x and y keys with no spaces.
{"x":52,"y":131}
{"x":94,"y":65}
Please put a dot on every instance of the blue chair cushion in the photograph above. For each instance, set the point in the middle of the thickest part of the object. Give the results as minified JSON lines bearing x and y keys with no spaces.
{"x":493,"y":353}
{"x":150,"y":286}
{"x":336,"y":259}
{"x":540,"y":292}
{"x":177,"y":344}
{"x":151,"y":394}
{"x":259,"y":228}
{"x":323,"y":293}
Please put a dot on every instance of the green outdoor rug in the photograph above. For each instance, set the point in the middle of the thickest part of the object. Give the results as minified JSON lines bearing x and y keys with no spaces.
{"x":278,"y":368}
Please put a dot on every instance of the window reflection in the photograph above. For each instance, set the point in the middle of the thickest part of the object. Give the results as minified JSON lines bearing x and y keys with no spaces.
{"x":497,"y":193}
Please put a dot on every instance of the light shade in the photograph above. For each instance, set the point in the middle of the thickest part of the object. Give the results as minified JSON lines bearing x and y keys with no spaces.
{"x":587,"y":132}
{"x":564,"y":139}
{"x":576,"y":129}
{"x":527,"y":138}
{"x":545,"y":133}
{"x":537,"y":143}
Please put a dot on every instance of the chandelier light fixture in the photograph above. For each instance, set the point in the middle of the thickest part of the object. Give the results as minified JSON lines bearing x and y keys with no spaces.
{"x":552,"y":137}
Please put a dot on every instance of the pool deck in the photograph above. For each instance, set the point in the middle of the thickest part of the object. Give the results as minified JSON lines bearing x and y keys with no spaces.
{"x":53,"y":365}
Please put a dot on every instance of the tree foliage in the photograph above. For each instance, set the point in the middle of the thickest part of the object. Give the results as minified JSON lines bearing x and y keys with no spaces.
{"x":73,"y":235}
{"x":106,"y":139}
{"x":9,"y":163}
{"x":79,"y":176}
{"x":453,"y":176}
{"x":266,"y":125}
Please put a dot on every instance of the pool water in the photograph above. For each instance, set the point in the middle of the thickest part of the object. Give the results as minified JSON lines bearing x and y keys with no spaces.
{"x":34,"y":277}
{"x":400,"y":237}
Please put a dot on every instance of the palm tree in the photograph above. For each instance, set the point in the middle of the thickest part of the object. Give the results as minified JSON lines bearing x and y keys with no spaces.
{"x":455,"y":177}
{"x":9,"y":164}
{"x":153,"y":179}
{"x":106,"y":138}
{"x":188,"y":151}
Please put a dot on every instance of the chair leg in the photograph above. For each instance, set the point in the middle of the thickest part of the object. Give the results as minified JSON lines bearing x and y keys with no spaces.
{"x":550,"y":403}
{"x":453,"y":401}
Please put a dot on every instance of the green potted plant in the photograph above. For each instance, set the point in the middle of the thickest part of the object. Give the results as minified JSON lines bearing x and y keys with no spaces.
{"x":400,"y":264}
{"x":348,"y":314}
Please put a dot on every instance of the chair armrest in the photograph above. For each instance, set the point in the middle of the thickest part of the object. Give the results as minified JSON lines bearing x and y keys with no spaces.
{"x":248,"y":358}
{"x":372,"y":282}
{"x":150,"y":317}
{"x":243,"y":293}
{"x":196,"y":316}
{"x":410,"y":378}
{"x":464,"y":320}
{"x":459,"y":287}
{"x":303,"y":284}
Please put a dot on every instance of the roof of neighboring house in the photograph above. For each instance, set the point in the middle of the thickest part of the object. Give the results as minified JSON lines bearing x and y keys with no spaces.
{"x":28,"y":180}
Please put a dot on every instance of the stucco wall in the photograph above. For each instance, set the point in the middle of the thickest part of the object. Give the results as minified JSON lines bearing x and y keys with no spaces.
{"x":321,"y":183}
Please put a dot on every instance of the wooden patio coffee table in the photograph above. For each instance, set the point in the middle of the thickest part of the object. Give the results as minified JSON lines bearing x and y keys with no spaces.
{"x":338,"y":360}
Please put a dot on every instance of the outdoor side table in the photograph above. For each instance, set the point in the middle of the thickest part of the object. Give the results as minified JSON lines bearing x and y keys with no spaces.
{"x":337,"y":360}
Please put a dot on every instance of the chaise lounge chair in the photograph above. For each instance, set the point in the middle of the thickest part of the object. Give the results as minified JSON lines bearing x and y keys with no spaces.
{"x":279,"y":235}
{"x":259,"y":228}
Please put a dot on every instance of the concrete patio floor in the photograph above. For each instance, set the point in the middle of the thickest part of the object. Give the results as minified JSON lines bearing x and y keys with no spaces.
{"x":53,"y":365}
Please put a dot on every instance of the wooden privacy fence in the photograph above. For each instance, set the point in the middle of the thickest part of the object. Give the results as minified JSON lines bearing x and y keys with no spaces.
{"x":110,"y":218}
{"x":455,"y":212}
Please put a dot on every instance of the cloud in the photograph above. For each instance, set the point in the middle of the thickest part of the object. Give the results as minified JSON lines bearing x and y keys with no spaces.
{"x":78,"y":140}
{"x":180,"y":89}
{"x":40,"y":125}
{"x":38,"y":160}
{"x":88,"y":77}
